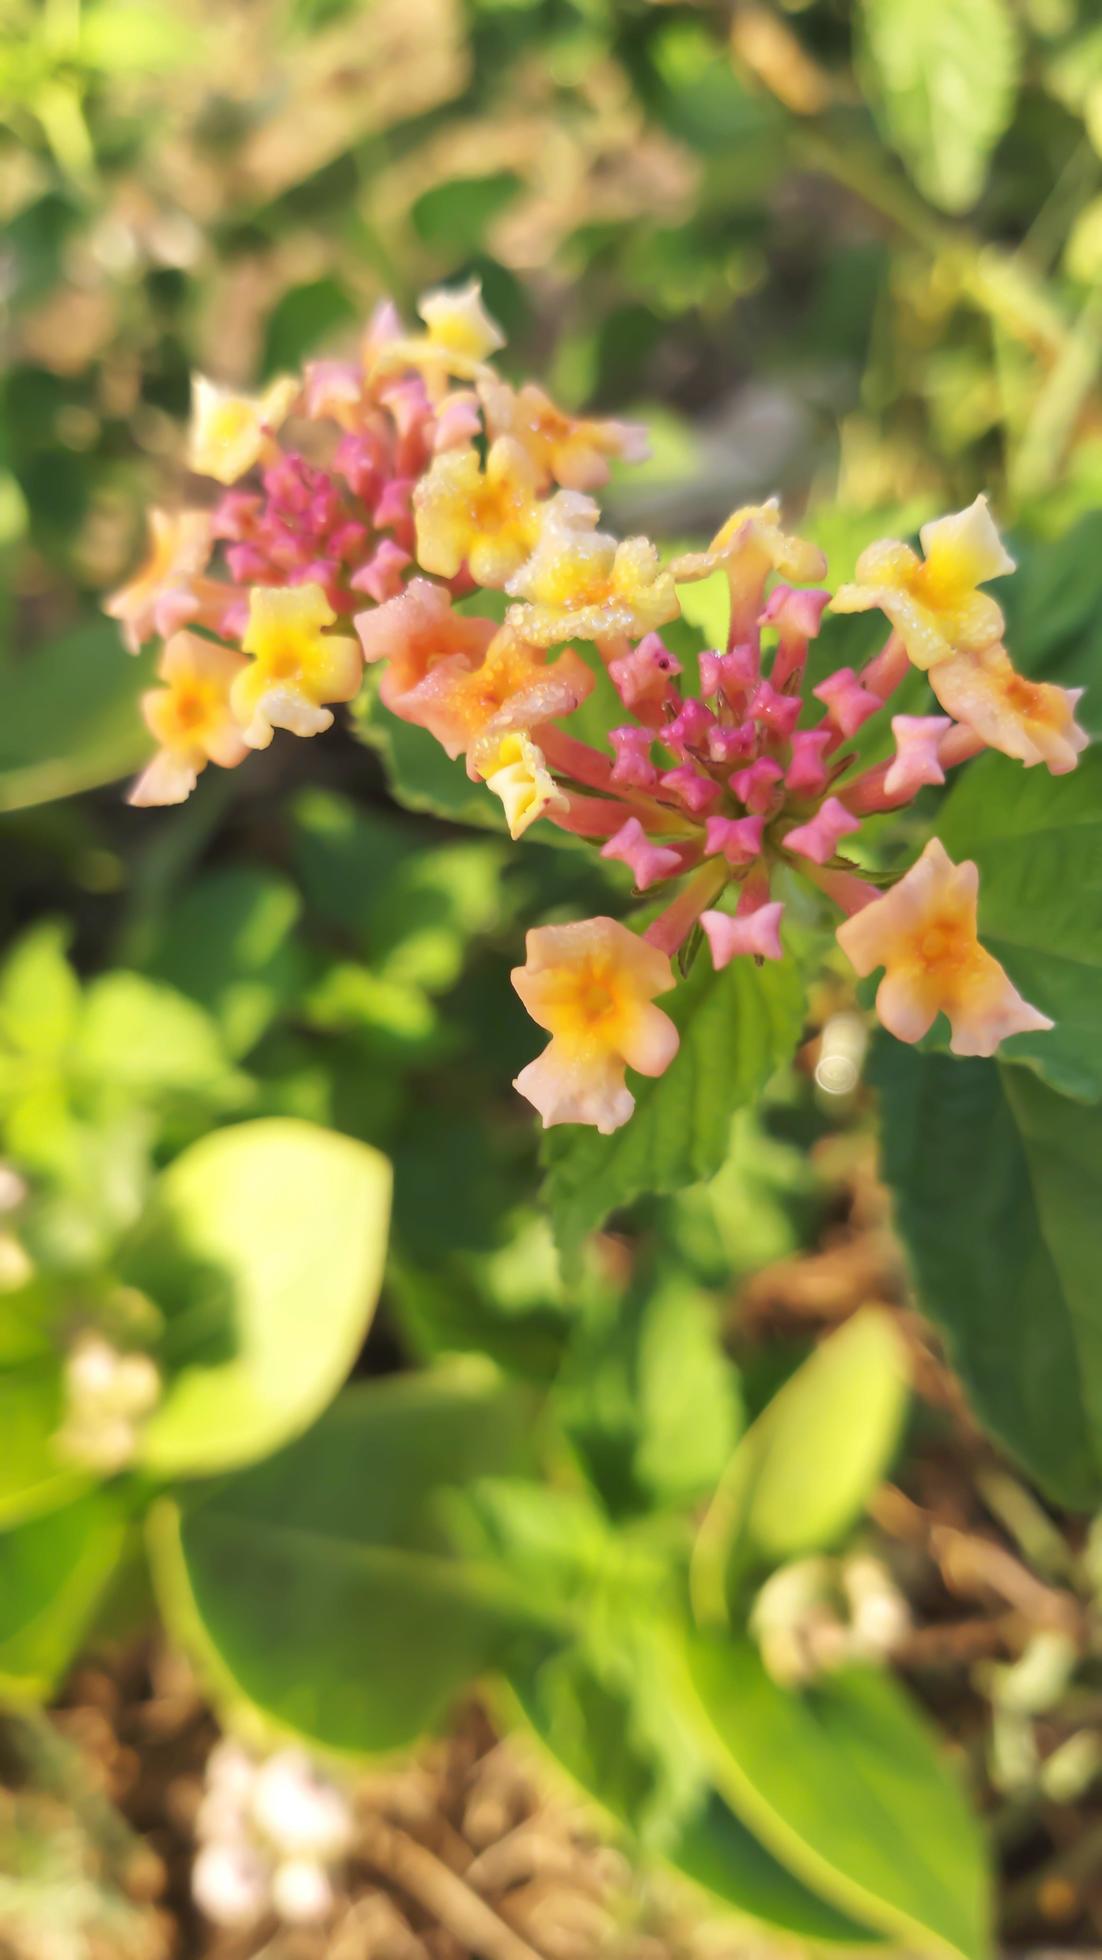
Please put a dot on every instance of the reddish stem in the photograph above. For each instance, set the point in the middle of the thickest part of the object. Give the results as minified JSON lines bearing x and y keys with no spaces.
{"x":673,"y":925}
{"x":847,"y":890}
{"x":887,"y":668}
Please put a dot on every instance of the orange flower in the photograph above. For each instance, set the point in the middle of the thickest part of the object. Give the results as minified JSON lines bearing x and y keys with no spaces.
{"x":472,"y":708}
{"x":297,"y":665}
{"x":568,"y":450}
{"x":179,"y":546}
{"x":933,"y":602}
{"x":591,"y":985}
{"x":488,"y":519}
{"x":414,"y":632}
{"x":1032,"y":721}
{"x":923,"y":933}
{"x":190,"y":717}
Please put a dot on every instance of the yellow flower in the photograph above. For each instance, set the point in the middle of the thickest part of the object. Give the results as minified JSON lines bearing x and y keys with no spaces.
{"x":749,"y":546}
{"x":518,"y":774}
{"x":470,"y":708}
{"x":923,"y":933}
{"x":190,"y":717}
{"x":591,"y":985}
{"x":297,"y":666}
{"x":934,"y":602}
{"x":1033,"y":721}
{"x":228,"y":430}
{"x":487,"y":519}
{"x":568,"y":450}
{"x":179,"y":546}
{"x":459,"y":335}
{"x":581,"y":584}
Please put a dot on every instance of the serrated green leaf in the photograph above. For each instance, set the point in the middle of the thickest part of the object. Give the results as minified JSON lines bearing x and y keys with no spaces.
{"x":737,"y":1027}
{"x":998,"y":1194}
{"x":942,"y":76}
{"x":1037,"y":840}
{"x":845,"y":1784}
{"x":802,"y":1473}
{"x":264,"y":1248}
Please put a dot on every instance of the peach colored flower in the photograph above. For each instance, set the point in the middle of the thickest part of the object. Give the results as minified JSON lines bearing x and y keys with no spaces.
{"x":591,"y":984}
{"x":923,"y":933}
{"x":934,"y":602}
{"x":228,"y":430}
{"x":156,"y":600}
{"x":296,"y":667}
{"x":1033,"y":721}
{"x":572,"y":451}
{"x":190,"y":717}
{"x":413,"y":632}
{"x":472,"y":708}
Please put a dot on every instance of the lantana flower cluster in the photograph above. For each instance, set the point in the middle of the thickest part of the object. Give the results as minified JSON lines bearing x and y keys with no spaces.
{"x":364,"y":509}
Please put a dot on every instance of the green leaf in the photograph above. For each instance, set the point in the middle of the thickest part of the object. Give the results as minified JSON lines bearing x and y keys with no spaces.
{"x":303,"y":318}
{"x":804,"y":1471}
{"x":227,"y":944}
{"x":717,"y":1853}
{"x":648,"y":1397}
{"x":53,"y":1574}
{"x":264,"y":1247}
{"x":318,"y":1585}
{"x":39,"y":993}
{"x":1037,"y":840}
{"x":144,"y":1039}
{"x":418,"y":772}
{"x":71,"y":717}
{"x":737,"y":1027}
{"x":942,"y":76}
{"x":33,"y":1478}
{"x":845,"y":1785}
{"x":998,"y":1194}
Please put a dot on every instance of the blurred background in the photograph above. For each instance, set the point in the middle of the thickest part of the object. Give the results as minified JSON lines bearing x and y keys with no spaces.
{"x":848,"y":252}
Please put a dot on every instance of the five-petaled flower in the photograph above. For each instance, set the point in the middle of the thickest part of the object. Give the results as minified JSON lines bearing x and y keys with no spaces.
{"x":229,"y":430}
{"x":190,"y":717}
{"x":923,"y":933}
{"x":1033,"y":721}
{"x":592,"y":985}
{"x":469,"y":708}
{"x":459,"y":334}
{"x":487,"y":519}
{"x":415,"y":631}
{"x":297,"y":666}
{"x":580,"y":584}
{"x":572,"y":451}
{"x":934,"y":602}
{"x":158,"y":598}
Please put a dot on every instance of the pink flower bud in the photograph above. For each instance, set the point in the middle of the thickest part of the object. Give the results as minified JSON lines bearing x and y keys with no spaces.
{"x":755,"y":786}
{"x":807,"y":772}
{"x":778,"y":713}
{"x":732,"y":744}
{"x":633,"y":767}
{"x":756,"y":932}
{"x":689,"y":728}
{"x":730,"y":674}
{"x":847,"y":702}
{"x":738,"y":839}
{"x":648,"y":861}
{"x":645,"y":675}
{"x":917,"y":738}
{"x":818,"y":839}
{"x":696,"y":792}
{"x":381,"y":576}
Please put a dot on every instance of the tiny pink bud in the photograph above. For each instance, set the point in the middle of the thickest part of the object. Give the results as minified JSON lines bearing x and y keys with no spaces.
{"x":731,"y":674}
{"x":633,"y":767}
{"x":696,"y":792}
{"x":807,"y":772}
{"x":847,"y":702}
{"x":756,"y":784}
{"x":818,"y":839}
{"x":795,"y":611}
{"x":458,"y":420}
{"x":756,"y":932}
{"x":393,"y":506}
{"x":732,"y":744}
{"x":381,"y":577}
{"x":917,"y":738}
{"x":689,"y":728}
{"x":646,"y":674}
{"x":738,"y":839}
{"x":776,"y":712}
{"x":647,"y":860}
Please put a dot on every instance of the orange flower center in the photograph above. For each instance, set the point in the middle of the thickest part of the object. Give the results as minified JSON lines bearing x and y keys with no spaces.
{"x":948,"y":944}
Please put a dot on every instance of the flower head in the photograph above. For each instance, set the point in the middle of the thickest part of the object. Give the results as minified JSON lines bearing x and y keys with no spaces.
{"x":228,"y":430}
{"x":581,"y":584}
{"x":470,"y":708}
{"x":934,"y":602}
{"x":297,"y":666}
{"x":591,"y":984}
{"x":415,"y":631}
{"x":572,"y":451}
{"x":488,"y":519}
{"x":158,"y":598}
{"x":190,"y":717}
{"x":1033,"y":721}
{"x":923,"y":933}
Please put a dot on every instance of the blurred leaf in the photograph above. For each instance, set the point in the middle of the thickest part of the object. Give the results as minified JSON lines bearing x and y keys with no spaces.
{"x":53,"y":1573}
{"x":418,"y":772}
{"x":717,"y":1853}
{"x":71,"y":718}
{"x":317,"y":1584}
{"x":33,"y":1477}
{"x":648,"y":1397}
{"x":142,"y":1037}
{"x":39,"y":992}
{"x":303,"y":318}
{"x":845,"y":1784}
{"x":264,"y":1246}
{"x":998,"y":1194}
{"x":805,"y":1470}
{"x":227,"y":944}
{"x":457,"y":214}
{"x":1037,"y":840}
{"x":737,"y":1027}
{"x":943,"y":78}
{"x":126,"y":37}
